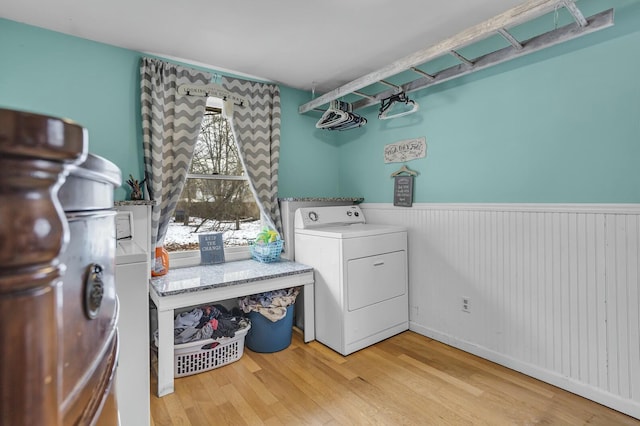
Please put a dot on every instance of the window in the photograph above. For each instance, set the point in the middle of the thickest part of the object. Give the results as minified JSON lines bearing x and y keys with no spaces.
{"x":216,"y":196}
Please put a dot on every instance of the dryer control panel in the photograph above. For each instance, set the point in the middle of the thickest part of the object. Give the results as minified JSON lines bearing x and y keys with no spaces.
{"x":316,"y":217}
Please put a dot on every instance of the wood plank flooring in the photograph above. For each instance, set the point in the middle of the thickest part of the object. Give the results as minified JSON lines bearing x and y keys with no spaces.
{"x":405,"y":380}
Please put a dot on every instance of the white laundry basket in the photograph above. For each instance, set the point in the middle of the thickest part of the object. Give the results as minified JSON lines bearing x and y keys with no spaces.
{"x":203,"y":355}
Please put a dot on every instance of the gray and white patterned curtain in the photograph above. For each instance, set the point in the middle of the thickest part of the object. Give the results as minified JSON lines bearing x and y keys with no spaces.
{"x":170,"y":127}
{"x":256,"y":128}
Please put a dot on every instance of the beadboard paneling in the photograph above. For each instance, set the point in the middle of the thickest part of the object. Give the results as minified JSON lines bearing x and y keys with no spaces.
{"x":553,"y":289}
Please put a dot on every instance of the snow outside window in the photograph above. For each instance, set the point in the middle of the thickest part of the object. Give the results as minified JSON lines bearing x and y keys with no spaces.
{"x":216,"y":196}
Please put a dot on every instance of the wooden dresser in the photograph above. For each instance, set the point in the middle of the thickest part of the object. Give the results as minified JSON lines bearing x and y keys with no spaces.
{"x":58,"y":306}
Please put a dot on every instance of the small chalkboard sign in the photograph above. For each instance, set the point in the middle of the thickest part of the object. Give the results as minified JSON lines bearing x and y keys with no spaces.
{"x":403,"y":191}
{"x":211,"y":248}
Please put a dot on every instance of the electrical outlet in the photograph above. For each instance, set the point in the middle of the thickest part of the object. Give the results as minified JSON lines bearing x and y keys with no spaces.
{"x":416,"y":311}
{"x":466,"y":305}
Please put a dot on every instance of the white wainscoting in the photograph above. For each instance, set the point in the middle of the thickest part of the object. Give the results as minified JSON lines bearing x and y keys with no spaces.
{"x":552,"y":289}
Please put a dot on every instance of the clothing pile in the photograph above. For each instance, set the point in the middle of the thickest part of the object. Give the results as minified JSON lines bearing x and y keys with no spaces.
{"x":272,"y":304}
{"x":207,"y":322}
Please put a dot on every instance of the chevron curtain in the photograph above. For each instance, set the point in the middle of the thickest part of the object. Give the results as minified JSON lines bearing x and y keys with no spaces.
{"x":256,"y":128}
{"x":170,"y":127}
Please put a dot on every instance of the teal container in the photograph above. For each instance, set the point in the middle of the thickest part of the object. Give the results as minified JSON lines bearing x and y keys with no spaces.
{"x":267,"y":336}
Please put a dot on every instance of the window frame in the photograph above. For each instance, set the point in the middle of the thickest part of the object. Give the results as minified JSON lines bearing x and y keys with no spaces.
{"x":192,"y":257}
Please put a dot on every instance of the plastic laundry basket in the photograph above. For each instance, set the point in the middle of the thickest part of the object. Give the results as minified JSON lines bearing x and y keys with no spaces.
{"x":203,"y":355}
{"x":267,"y":336}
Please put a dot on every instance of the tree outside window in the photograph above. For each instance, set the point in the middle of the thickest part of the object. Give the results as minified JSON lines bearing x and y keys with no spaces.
{"x":216,"y":196}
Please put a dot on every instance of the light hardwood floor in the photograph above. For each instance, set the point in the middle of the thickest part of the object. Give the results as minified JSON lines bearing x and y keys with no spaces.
{"x":405,"y":380}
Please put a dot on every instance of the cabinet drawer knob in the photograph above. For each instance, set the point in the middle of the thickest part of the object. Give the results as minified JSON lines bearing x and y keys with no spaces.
{"x":93,"y":291}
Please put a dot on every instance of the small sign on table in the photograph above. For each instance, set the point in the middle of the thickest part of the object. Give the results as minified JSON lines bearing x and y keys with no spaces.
{"x":211,"y":248}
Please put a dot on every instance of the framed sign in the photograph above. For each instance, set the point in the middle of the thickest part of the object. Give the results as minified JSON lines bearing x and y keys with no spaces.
{"x":124,"y":225}
{"x":403,"y":191}
{"x":211,"y":248}
{"x":405,"y":150}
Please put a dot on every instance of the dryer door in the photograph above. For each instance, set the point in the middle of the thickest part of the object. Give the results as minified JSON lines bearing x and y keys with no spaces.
{"x":376,"y":278}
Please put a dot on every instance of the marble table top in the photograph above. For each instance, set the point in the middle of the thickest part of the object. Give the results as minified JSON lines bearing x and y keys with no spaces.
{"x":205,"y":277}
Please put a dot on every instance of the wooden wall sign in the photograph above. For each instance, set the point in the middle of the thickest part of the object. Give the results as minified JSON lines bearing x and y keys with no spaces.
{"x":403,"y":191}
{"x":409,"y":149}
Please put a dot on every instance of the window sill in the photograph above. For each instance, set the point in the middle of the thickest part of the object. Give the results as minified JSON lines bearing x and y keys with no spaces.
{"x":181,"y":259}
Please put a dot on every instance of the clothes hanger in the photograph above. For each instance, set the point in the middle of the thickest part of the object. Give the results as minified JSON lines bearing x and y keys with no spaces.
{"x":334,"y":115}
{"x":339,"y":116}
{"x":404,"y":169}
{"x":355,"y":121}
{"x":386,"y":104}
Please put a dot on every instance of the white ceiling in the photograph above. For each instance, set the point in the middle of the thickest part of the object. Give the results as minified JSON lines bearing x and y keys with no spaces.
{"x":299,"y":43}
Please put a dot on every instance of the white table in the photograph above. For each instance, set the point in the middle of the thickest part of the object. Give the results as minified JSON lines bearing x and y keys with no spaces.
{"x":198,"y":285}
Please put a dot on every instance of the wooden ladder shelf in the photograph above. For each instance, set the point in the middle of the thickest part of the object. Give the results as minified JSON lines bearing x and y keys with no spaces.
{"x":497,"y":25}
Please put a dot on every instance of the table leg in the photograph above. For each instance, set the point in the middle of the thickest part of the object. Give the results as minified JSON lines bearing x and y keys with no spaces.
{"x":309,"y":313}
{"x":165,"y":352}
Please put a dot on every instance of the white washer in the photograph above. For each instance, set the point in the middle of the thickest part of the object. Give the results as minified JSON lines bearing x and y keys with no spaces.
{"x":133,"y":378}
{"x":361,"y":284}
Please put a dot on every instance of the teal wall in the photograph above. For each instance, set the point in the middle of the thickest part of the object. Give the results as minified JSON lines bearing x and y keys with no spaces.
{"x":97,"y":86}
{"x":90,"y":83}
{"x":561,"y":125}
{"x":558,"y":126}
{"x":309,"y":165}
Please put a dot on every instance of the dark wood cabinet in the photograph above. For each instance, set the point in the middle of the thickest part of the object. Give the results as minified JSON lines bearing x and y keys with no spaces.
{"x":58,"y":307}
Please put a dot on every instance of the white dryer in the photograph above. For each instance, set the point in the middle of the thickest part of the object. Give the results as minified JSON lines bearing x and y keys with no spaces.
{"x":361,"y":284}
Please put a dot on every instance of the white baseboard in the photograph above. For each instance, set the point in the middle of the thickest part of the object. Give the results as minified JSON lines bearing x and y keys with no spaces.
{"x":626,"y":406}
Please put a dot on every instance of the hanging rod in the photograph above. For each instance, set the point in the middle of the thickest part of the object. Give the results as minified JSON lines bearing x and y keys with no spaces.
{"x":575,"y":12}
{"x":511,"y":39}
{"x":363,"y":95}
{"x":394,"y":86}
{"x":461,"y":58}
{"x":422,"y":73}
{"x":213,"y":90}
{"x":559,"y":35}
{"x":512,"y":17}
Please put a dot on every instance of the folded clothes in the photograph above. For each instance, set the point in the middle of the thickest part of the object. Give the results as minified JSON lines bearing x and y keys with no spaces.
{"x":272,"y":304}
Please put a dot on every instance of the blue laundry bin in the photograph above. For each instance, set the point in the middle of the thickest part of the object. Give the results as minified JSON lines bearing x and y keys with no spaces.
{"x":267,"y":336}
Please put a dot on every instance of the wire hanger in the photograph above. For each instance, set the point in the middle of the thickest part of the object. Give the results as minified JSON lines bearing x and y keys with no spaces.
{"x":404,"y":169}
{"x":386,"y":104}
